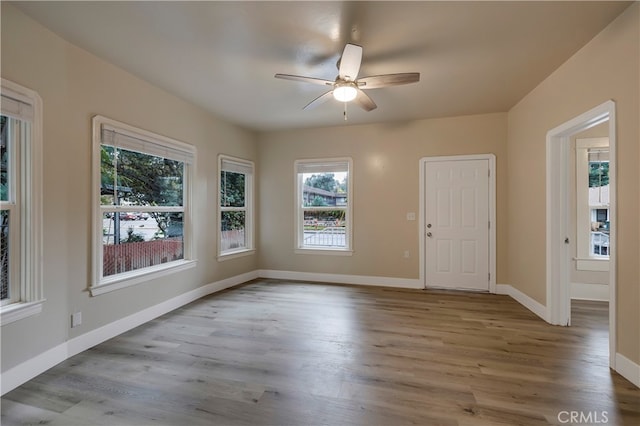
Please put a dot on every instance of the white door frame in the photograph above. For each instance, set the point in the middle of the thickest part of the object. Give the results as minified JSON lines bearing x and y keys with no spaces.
{"x":558,"y":211}
{"x":492,"y":213}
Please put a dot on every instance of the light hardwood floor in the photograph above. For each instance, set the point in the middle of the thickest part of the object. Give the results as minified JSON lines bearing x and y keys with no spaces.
{"x":289,"y":353}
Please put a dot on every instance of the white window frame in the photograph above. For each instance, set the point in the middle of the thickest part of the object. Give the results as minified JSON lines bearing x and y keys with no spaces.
{"x":246,"y":167}
{"x":25,"y":105}
{"x":154,"y":144}
{"x":584,"y":260}
{"x":322,"y":165}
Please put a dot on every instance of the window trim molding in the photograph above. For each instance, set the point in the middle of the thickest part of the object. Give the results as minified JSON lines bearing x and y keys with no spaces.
{"x":20,"y":310}
{"x":31,"y":259}
{"x":299,"y":220}
{"x":131,"y":278}
{"x":249,"y":210}
{"x":101,"y":285}
{"x":324,"y":251}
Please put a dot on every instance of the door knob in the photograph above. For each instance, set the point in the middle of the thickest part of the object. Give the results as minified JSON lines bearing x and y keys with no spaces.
{"x":429,"y":234}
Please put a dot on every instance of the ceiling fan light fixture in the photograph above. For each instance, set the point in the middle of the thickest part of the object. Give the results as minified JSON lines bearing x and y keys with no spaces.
{"x":347,"y":86}
{"x":345,"y":92}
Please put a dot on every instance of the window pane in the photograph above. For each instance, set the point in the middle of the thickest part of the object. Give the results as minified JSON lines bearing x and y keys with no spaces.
{"x":135,"y":240}
{"x":146,"y":225}
{"x":599,"y":240}
{"x":4,"y":255}
{"x":5,"y":163}
{"x":324,"y":228}
{"x":232,"y":189}
{"x":142,"y":179}
{"x":232,"y":232}
{"x":324,"y":189}
{"x":600,"y":243}
{"x":598,"y":173}
{"x":108,"y":176}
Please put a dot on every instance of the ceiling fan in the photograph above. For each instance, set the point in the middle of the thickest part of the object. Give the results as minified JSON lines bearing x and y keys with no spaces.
{"x":347,"y":86}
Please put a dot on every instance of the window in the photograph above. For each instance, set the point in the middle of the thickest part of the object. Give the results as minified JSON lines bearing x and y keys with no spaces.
{"x":21,"y":292}
{"x":235,"y":214}
{"x":599,"y":241}
{"x":142,"y":196}
{"x":592,"y":203}
{"x":323,"y":205}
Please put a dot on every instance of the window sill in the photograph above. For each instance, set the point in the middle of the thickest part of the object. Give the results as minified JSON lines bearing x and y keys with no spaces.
{"x":18,"y":311}
{"x":235,"y":254}
{"x":330,"y":252}
{"x":591,"y":264}
{"x":136,"y":277}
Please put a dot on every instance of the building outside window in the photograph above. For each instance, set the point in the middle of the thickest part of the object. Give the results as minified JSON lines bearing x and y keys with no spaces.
{"x":141,"y":182}
{"x":323,"y":205}
{"x":21,"y":287}
{"x":235,"y":201}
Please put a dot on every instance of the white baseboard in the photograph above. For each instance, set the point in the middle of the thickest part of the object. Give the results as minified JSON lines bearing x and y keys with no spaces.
{"x":526,"y":301}
{"x":99,"y":335}
{"x":624,"y":366}
{"x":628,"y":369}
{"x":29,"y":369}
{"x":597,"y":292}
{"x":341,"y":279}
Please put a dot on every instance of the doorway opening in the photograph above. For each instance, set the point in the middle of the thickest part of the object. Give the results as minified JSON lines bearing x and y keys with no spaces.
{"x":561,"y":219}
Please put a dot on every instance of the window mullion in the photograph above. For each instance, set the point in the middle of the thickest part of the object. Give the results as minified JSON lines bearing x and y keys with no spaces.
{"x":324,"y":208}
{"x":233,"y":209}
{"x":142,"y":209}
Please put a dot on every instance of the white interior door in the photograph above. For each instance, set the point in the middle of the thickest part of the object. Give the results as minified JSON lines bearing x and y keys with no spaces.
{"x":457,"y":224}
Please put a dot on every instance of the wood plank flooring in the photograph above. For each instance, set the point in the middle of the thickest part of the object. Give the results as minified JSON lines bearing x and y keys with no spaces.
{"x":289,"y":353}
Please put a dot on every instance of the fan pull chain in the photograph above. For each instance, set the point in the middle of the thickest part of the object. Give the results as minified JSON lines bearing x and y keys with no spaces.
{"x":345,"y":111}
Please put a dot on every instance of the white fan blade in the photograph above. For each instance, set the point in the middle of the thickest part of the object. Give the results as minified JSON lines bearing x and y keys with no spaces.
{"x":364,"y":101}
{"x":305,"y":79}
{"x":385,"y":80}
{"x":319,"y":100}
{"x":350,"y":62}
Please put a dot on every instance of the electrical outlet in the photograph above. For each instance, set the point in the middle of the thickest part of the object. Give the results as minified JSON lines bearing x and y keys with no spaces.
{"x":406,"y":254}
{"x":76,"y":319}
{"x":411,"y":216}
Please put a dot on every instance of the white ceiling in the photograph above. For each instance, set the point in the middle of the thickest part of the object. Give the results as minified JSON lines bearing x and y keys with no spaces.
{"x":474,"y":57}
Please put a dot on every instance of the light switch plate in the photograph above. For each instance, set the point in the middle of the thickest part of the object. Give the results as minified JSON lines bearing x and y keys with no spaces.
{"x":76,"y":319}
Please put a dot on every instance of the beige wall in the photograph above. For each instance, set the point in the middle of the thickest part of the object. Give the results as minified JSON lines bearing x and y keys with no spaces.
{"x":385,"y":188}
{"x":74,"y":86}
{"x":606,"y":68}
